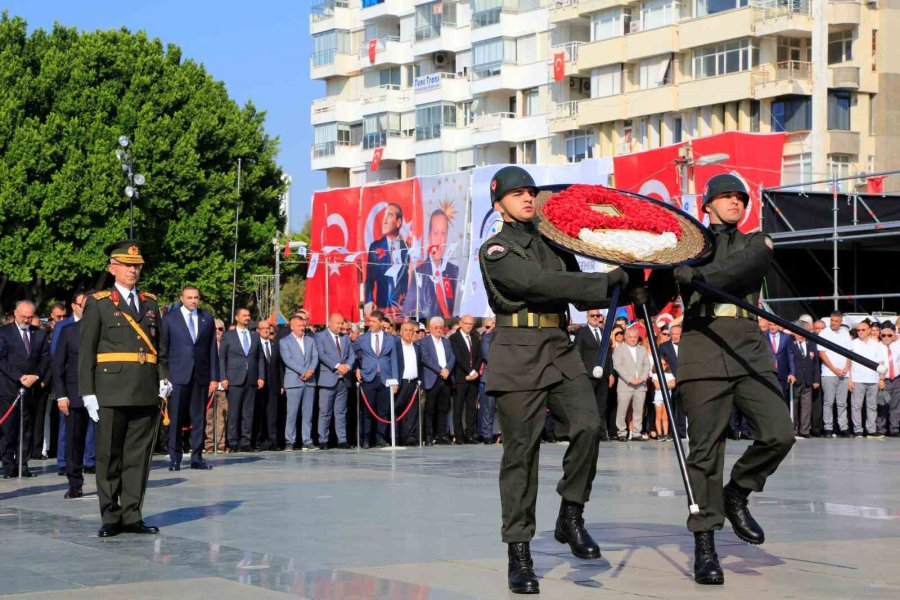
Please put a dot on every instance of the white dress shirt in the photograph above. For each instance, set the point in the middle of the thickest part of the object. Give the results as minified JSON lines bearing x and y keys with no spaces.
{"x":188,"y":316}
{"x":872,"y":350}
{"x":633,"y":350}
{"x":468,"y":340}
{"x":378,"y":343}
{"x":125,"y":292}
{"x":299,"y":341}
{"x":410,"y":369}
{"x":439,"y":349}
{"x":841,"y":337}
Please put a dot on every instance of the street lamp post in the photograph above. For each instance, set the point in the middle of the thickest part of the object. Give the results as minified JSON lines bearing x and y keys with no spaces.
{"x":237,"y":214}
{"x":687,"y":161}
{"x":125,"y":154}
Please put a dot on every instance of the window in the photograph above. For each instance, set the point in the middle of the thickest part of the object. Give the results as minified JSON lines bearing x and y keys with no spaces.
{"x":657,"y":13}
{"x":468,"y":115}
{"x":789,"y":49}
{"x":434,"y":163}
{"x":389,"y":78}
{"x":488,"y":56}
{"x":676,"y":130}
{"x":838,"y":167}
{"x":526,"y":50}
{"x":377,"y":129}
{"x":711,"y":7}
{"x":724,"y":58}
{"x":610,"y":23}
{"x":529,"y":152}
{"x":796,"y":168}
{"x":792,"y":113}
{"x":606,"y":81}
{"x":368,"y":3}
{"x":431,"y":117}
{"x":654,"y":72}
{"x":329,"y":43}
{"x":432,"y":16}
{"x":579,"y":145}
{"x":754,"y":115}
{"x":839,"y":111}
{"x":324,"y":139}
{"x":532,"y":102}
{"x":840,"y":47}
{"x":872,"y":120}
{"x":485,"y":12}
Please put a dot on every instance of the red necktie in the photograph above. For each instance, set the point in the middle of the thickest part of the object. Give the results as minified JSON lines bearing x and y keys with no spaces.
{"x":774,"y":349}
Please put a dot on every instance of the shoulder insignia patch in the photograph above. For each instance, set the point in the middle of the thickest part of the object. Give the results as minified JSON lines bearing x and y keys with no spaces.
{"x":101,"y":295}
{"x":148,"y":295}
{"x":495,"y":252}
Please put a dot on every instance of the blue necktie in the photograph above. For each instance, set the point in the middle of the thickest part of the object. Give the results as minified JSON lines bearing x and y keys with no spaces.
{"x":245,"y":342}
{"x":191,"y":327}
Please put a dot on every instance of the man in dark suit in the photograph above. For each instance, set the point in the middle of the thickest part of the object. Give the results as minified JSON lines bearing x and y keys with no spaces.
{"x":269,"y":407}
{"x":780,"y":344}
{"x":24,"y":363}
{"x":588,"y":341}
{"x":65,"y":388}
{"x":190,"y":335}
{"x":434,"y":289}
{"x":466,"y":346}
{"x":386,"y":285}
{"x":377,"y":371}
{"x":336,"y":360}
{"x":438,"y":362}
{"x":242,"y":368}
{"x":487,"y":403}
{"x":806,"y":378}
{"x":409,"y":369}
{"x":669,"y":351}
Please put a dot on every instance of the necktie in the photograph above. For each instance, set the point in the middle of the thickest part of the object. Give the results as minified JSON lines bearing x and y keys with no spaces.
{"x":268,"y":352}
{"x":245,"y":342}
{"x":191,"y":327}
{"x":775,"y":350}
{"x":337,"y":343}
{"x":891,"y":373}
{"x":803,"y":349}
{"x":26,"y":339}
{"x":130,"y":301}
{"x":596,"y":335}
{"x":469,"y":346}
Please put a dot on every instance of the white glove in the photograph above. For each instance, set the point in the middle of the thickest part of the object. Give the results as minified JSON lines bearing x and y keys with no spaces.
{"x":597,"y":372}
{"x":92,"y":406}
{"x":165,"y":388}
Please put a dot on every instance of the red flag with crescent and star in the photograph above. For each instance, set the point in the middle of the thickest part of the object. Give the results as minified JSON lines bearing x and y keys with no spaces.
{"x":559,"y":66}
{"x":373,"y":48}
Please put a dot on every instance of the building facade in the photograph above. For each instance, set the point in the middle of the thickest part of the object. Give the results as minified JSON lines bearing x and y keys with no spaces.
{"x":447,"y":85}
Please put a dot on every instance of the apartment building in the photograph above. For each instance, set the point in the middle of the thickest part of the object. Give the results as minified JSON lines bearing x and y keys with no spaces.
{"x":446,"y":85}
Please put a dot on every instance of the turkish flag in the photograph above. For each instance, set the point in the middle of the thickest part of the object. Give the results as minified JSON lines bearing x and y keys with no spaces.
{"x":373,"y":47}
{"x":559,"y":66}
{"x":875,"y":185}
{"x":335,"y":226}
{"x":376,"y":159}
{"x":652,"y":173}
{"x":287,"y":249}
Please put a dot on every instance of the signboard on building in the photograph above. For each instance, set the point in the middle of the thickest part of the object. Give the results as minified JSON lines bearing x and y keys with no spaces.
{"x":426,"y":82}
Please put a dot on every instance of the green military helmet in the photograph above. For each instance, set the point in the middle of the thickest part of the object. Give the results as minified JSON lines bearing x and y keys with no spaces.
{"x":508,"y":179}
{"x":725,"y":182}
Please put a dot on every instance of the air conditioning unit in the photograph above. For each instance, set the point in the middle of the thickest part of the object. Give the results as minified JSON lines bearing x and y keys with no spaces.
{"x":586,"y":86}
{"x":872,"y":3}
{"x":573,"y":83}
{"x":440,"y":59}
{"x":634,"y":27}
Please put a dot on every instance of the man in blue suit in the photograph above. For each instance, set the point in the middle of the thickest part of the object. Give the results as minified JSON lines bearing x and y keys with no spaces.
{"x":70,"y":403}
{"x":438,"y":361}
{"x":301,"y":360}
{"x":242,"y":368}
{"x":335,"y":361}
{"x":193,"y":372}
{"x":378,"y":373}
{"x":487,"y":403}
{"x":780,"y":343}
{"x":386,"y":291}
{"x":434,"y":289}
{"x":24,"y":363}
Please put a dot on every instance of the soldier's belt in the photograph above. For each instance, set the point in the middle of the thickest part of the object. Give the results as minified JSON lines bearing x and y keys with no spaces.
{"x":721,"y":310}
{"x":529,"y":319}
{"x":132,"y":357}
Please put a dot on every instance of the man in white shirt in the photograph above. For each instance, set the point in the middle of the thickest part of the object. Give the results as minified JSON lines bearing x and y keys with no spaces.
{"x":632,"y":363}
{"x":409,"y":365}
{"x":864,"y":382}
{"x":835,"y":372}
{"x":891,"y":342}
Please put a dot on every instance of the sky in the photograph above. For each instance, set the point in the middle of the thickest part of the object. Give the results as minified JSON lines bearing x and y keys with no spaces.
{"x":260,"y":50}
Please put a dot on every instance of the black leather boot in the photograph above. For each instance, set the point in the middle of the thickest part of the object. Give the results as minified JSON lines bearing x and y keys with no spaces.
{"x":570,"y":530}
{"x":522,"y":579}
{"x":743,"y":523}
{"x":707,"y":570}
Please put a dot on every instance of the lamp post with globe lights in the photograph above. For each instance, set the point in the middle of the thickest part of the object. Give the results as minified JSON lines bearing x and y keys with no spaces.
{"x":125,"y":154}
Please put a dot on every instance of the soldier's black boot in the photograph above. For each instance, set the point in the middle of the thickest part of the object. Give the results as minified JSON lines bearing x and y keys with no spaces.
{"x":743,"y":523}
{"x":522,"y":579}
{"x":570,"y":530}
{"x":706,"y":562}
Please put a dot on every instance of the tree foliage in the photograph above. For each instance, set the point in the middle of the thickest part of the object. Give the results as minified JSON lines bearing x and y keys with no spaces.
{"x":65,"y":98}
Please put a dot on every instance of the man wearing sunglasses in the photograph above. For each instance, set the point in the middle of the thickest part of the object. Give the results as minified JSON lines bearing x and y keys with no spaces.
{"x":588,"y":341}
{"x":891,"y":341}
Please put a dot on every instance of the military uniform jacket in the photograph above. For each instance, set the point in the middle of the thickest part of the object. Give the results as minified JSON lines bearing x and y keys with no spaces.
{"x":104,"y":328}
{"x":724,"y":347}
{"x":522,"y":271}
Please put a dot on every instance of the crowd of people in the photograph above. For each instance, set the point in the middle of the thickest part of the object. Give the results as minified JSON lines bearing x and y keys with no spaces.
{"x":297,"y":387}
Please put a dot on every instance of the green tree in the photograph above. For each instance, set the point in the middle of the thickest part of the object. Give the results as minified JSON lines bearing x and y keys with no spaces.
{"x":65,"y":98}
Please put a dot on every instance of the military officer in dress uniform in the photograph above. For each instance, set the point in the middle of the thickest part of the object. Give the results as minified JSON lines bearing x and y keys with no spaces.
{"x":533,"y":367}
{"x":121,"y":376}
{"x":724,"y":362}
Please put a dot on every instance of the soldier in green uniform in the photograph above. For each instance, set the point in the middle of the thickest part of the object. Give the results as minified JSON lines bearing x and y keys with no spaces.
{"x":121,"y":375}
{"x":724,"y":362}
{"x":534,"y":367}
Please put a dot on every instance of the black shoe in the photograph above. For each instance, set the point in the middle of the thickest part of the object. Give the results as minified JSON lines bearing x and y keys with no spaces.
{"x":469,"y":440}
{"x":308,"y":447}
{"x":110,"y":530}
{"x":61,"y":472}
{"x":743,"y":523}
{"x":27,"y":473}
{"x":246,"y":449}
{"x":429,"y":441}
{"x":140,"y":527}
{"x":382,"y":445}
{"x":174,"y":467}
{"x":365,"y":446}
{"x":73,"y":492}
{"x":522,"y":579}
{"x":707,"y":570}
{"x":442,"y":440}
{"x":91,"y":470}
{"x":343,"y":446}
{"x":845,"y":434}
{"x":201,"y":466}
{"x":570,"y":530}
{"x":265,"y":446}
{"x":323,"y":446}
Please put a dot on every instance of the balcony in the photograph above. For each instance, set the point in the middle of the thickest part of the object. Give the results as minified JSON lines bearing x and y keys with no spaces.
{"x":385,"y":98}
{"x":782,"y":17}
{"x":601,"y":110}
{"x":332,"y":14}
{"x":651,"y":101}
{"x":507,"y":127}
{"x":389,"y":51}
{"x":396,"y":146}
{"x":437,"y":87}
{"x":445,"y":36}
{"x":447,"y":139}
{"x":790,"y":77}
{"x":717,"y":27}
{"x":601,"y":53}
{"x":570,"y":52}
{"x":334,"y":155}
{"x":380,"y":9}
{"x":843,"y":12}
{"x":508,"y":76}
{"x":519,"y":17}
{"x":843,"y":142}
{"x":563,"y":11}
{"x":843,"y":78}
{"x":715,"y":90}
{"x":652,"y":42}
{"x":564,"y":117}
{"x":333,"y":109}
{"x":331,"y":63}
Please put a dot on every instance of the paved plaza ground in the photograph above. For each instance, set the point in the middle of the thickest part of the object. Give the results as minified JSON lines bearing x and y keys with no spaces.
{"x":423,"y":524}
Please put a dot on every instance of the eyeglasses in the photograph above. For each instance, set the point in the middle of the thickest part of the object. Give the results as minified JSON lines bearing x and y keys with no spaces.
{"x":220,"y":329}
{"x":884,"y":335}
{"x":594,"y":316}
{"x":665,"y":333}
